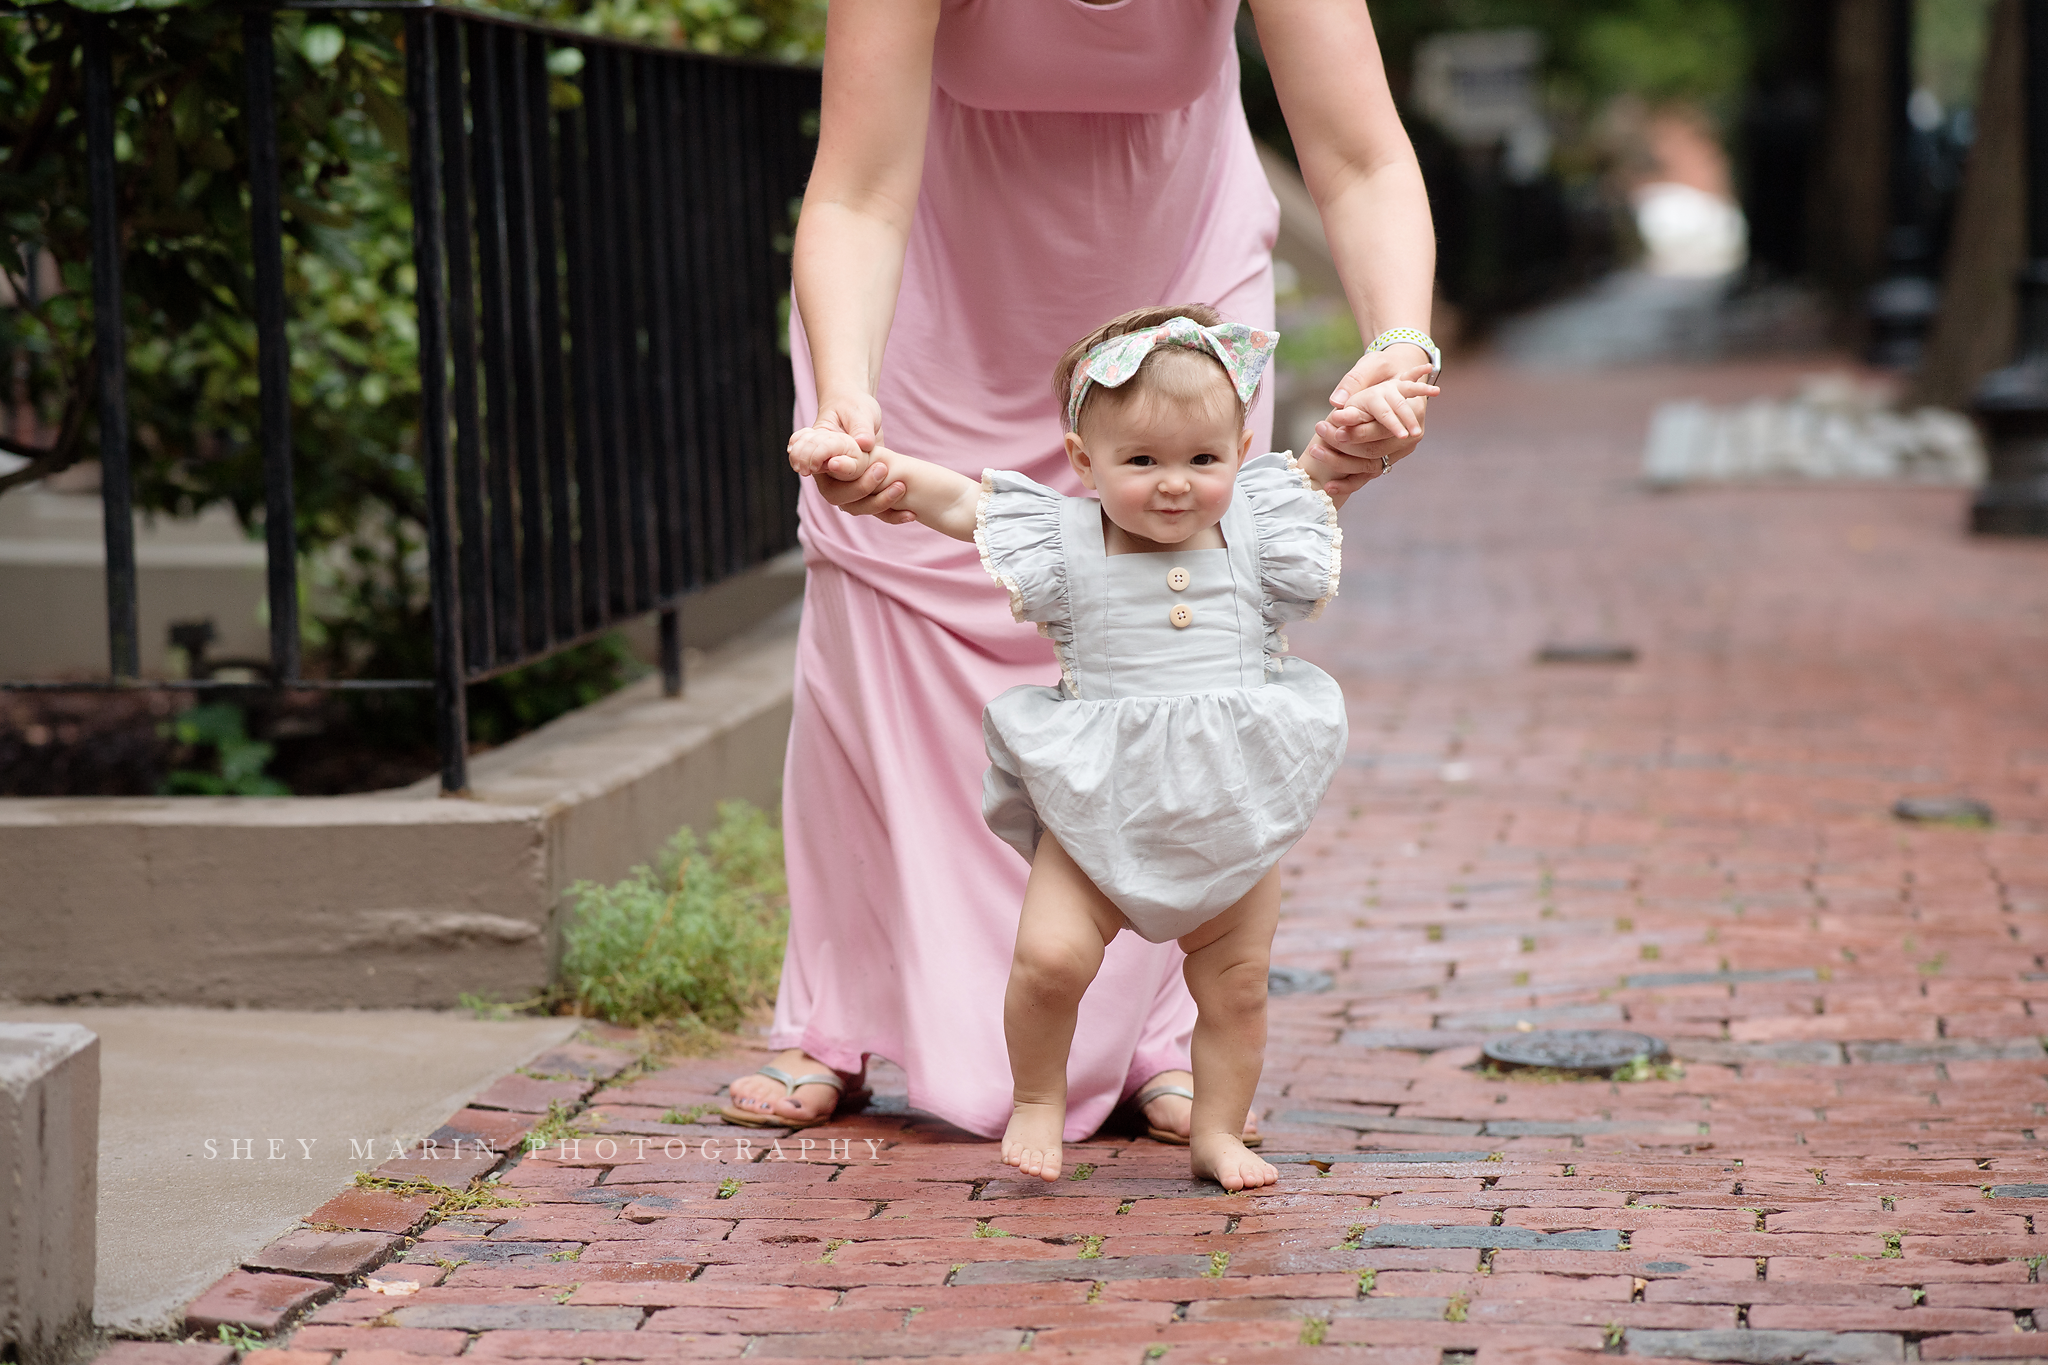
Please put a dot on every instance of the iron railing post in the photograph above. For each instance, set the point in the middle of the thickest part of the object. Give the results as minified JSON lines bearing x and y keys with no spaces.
{"x":554,"y":433}
{"x":2012,"y":403}
{"x":473,"y":538}
{"x":451,"y":710}
{"x":672,"y":651}
{"x":110,"y":339}
{"x":1902,"y":304}
{"x":273,"y":347}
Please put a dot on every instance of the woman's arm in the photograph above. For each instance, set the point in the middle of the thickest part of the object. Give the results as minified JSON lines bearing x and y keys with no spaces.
{"x":858,"y":205}
{"x":1361,"y":168}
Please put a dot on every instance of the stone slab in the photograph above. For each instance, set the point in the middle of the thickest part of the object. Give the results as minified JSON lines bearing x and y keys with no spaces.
{"x":1105,"y":1268}
{"x":1502,"y":1238}
{"x":1770,"y":1348}
{"x":485,"y":1252}
{"x":486,"y":1317}
{"x":49,"y":1188}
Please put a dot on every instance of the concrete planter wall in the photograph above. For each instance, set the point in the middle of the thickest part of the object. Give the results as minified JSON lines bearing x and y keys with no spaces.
{"x":398,"y":898}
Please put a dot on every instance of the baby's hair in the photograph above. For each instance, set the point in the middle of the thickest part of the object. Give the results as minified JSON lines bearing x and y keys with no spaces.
{"x":1172,"y":372}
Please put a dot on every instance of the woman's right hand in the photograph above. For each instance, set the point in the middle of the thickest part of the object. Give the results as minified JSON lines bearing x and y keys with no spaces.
{"x":837,"y":452}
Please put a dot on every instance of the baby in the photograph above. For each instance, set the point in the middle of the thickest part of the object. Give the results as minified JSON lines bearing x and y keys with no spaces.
{"x":1183,"y":752}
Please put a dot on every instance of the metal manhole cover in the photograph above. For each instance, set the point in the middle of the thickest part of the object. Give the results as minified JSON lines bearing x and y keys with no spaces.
{"x":1297,"y":981}
{"x":1575,"y":1049}
{"x":1942,"y":810}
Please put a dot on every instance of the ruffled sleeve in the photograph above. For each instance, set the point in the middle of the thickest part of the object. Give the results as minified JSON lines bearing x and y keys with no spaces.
{"x":1017,"y":531}
{"x":1300,"y":544}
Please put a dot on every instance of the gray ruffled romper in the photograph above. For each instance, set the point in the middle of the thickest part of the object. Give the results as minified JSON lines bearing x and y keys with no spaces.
{"x":1184,"y":751}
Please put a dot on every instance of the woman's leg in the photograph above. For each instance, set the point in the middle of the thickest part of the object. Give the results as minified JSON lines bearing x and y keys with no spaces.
{"x":1173,"y":1114}
{"x":1065,"y":925}
{"x":1226,"y":973}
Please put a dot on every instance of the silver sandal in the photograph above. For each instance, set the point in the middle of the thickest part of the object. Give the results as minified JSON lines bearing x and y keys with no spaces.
{"x":1146,"y":1097}
{"x":752,"y":1118}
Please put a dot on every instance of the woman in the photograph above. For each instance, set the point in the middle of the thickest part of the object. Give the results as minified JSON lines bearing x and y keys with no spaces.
{"x":993,"y":178}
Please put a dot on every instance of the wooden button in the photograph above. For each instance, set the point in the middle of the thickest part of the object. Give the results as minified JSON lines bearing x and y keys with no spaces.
{"x":1181,"y":617}
{"x":1177,"y":579}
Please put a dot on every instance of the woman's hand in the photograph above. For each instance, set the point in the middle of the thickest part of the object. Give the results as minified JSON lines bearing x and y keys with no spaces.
{"x":899,"y":488}
{"x":1377,"y":419}
{"x":837,"y":452}
{"x":868,"y":493}
{"x":848,"y":427}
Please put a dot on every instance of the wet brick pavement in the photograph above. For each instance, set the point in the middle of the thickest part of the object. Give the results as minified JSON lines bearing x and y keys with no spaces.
{"x":1842,"y":1165}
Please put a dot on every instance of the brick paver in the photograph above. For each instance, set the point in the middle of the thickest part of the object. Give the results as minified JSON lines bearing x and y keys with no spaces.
{"x":1697,"y":845}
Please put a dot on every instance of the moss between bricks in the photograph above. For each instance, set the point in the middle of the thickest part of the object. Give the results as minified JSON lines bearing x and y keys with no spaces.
{"x":480,"y":1194}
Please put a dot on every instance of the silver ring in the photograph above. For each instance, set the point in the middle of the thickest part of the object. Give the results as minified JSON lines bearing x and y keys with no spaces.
{"x":1385,"y":464}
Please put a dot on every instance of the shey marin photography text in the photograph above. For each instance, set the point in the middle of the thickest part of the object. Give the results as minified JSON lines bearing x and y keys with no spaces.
{"x":428,"y":1150}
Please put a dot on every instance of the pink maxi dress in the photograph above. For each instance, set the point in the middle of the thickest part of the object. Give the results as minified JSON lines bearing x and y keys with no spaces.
{"x":1082,"y":160}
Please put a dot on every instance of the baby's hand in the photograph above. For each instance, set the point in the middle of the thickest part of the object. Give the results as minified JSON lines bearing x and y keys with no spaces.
{"x":817,"y":451}
{"x":871,"y":492}
{"x":1386,"y":404}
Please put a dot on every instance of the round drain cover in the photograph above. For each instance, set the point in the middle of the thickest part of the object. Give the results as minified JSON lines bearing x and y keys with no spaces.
{"x":1586,"y":652}
{"x":1942,"y":810}
{"x":1297,"y":981}
{"x":1575,"y":1049}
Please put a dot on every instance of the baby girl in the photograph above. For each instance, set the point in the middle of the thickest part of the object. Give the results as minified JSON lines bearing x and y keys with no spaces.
{"x":1183,"y":752}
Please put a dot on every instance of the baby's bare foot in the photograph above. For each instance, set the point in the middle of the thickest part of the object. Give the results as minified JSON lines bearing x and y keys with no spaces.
{"x":1223,"y":1159}
{"x":1032,"y":1141}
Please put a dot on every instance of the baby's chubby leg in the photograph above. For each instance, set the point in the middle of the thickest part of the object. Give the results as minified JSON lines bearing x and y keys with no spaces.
{"x":1065,"y":926}
{"x":1226,"y":973}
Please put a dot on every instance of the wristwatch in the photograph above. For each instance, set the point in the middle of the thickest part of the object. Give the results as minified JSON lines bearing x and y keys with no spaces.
{"x":1413,"y":338}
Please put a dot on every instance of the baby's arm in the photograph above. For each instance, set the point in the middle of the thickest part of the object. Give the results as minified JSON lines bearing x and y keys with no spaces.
{"x":935,"y":495}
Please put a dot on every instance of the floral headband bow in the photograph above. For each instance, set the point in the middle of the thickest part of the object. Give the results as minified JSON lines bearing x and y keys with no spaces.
{"x":1244,"y":352}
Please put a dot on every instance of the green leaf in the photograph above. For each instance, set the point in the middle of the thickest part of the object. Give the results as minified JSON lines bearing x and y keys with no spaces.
{"x":566,"y":61}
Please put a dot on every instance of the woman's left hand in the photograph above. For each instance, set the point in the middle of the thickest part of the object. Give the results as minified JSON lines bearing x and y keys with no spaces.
{"x":1355,"y":441}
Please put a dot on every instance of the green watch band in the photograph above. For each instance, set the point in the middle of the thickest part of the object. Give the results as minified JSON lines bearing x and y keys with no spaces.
{"x":1413,"y":338}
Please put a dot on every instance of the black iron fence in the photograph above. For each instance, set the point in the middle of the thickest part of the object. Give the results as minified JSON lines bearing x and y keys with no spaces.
{"x":603,"y":396}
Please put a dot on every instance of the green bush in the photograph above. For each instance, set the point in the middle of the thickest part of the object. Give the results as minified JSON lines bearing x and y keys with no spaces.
{"x":698,"y":936}
{"x":221,"y":727}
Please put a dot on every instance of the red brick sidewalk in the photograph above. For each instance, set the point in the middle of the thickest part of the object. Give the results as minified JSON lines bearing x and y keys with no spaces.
{"x":1698,"y":845}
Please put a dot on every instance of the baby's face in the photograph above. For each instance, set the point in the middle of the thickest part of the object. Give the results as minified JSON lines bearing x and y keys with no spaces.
{"x":1164,"y":471}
